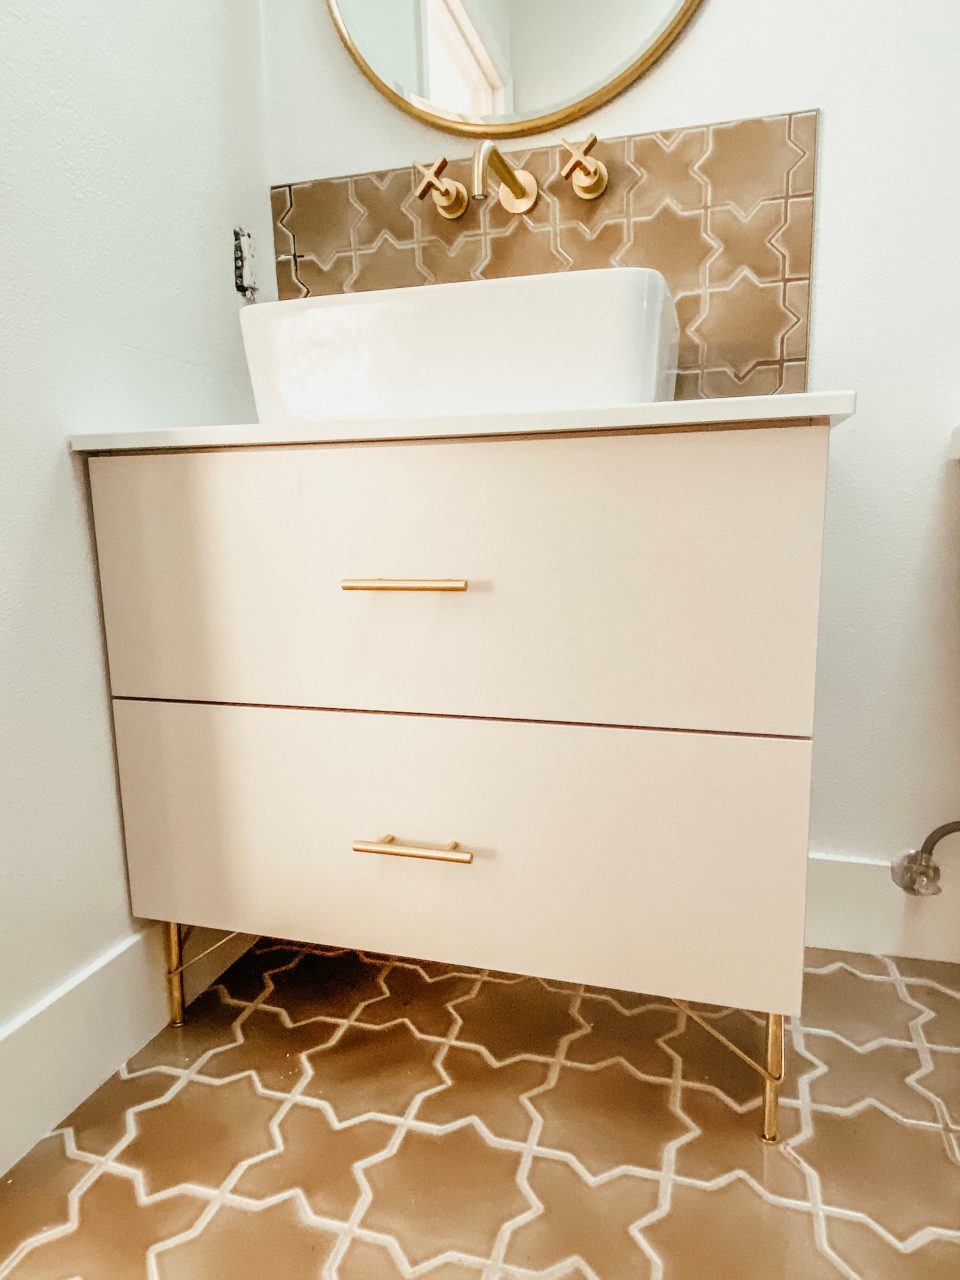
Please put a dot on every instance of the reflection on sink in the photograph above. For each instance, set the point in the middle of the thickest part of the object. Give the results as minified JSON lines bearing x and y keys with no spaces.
{"x":489,"y":346}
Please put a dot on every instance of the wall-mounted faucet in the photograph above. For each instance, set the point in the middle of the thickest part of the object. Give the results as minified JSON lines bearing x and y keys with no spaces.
{"x":518,"y":188}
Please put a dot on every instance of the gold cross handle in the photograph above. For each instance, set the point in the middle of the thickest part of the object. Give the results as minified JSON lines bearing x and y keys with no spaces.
{"x":589,"y":177}
{"x":450,"y":197}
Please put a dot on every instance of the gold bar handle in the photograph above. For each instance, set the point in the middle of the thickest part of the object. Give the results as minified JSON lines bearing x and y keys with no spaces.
{"x":388,"y":845}
{"x":404,"y":584}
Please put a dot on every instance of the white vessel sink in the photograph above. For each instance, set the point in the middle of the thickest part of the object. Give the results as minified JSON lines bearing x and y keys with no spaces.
{"x":490,"y":346}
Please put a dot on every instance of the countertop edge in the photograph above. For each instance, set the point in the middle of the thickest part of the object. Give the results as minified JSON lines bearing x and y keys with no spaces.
{"x":835,"y":406}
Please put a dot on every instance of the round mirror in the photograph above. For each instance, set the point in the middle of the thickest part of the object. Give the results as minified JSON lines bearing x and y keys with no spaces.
{"x":505,"y":67}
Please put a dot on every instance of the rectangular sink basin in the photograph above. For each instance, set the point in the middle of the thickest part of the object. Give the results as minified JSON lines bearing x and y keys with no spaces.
{"x":573,"y":339}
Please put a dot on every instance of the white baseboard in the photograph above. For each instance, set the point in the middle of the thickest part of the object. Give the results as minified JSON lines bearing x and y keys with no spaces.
{"x":55,"y":1053}
{"x":853,"y":905}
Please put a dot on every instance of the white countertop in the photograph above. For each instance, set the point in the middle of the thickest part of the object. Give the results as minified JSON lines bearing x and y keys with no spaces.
{"x":834,"y":406}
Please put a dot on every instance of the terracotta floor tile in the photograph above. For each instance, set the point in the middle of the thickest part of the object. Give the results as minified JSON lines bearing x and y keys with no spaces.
{"x":706,"y":1061}
{"x":728,"y":1142}
{"x":373,"y":1069}
{"x":241,"y":1244}
{"x":200,"y":1135}
{"x":880,"y":1073}
{"x":821,"y":958}
{"x":578,"y":1220}
{"x":629,"y":1001}
{"x":857,"y":1008}
{"x":209,"y":1024}
{"x":491,"y":1093}
{"x":944,"y":1027}
{"x":630,"y":1036}
{"x":33,"y":1194}
{"x":318,"y":1158}
{"x":940,"y":971}
{"x":246,"y":979}
{"x":869,"y":1254}
{"x":421,"y":1000}
{"x":330,"y":986}
{"x":270,"y":1049}
{"x":443,"y":1192}
{"x":514,"y":1018}
{"x":112,"y":1236}
{"x":898,"y":1175}
{"x":732,"y":1233}
{"x":99,"y":1123}
{"x":607,"y":1118}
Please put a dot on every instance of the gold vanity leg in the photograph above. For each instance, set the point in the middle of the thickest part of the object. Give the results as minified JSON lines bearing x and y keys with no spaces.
{"x":175,"y":973}
{"x":773,"y":1076}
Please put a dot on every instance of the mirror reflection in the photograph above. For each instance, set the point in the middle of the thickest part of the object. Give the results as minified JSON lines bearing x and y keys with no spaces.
{"x":505,"y":61}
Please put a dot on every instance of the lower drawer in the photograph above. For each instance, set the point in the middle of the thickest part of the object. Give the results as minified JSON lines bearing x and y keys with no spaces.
{"x":672,"y":863}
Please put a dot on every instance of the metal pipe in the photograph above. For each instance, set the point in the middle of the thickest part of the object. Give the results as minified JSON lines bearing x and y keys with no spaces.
{"x":933,"y":839}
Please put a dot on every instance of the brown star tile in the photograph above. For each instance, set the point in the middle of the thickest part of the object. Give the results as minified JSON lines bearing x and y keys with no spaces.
{"x":749,"y":161}
{"x":795,"y":239}
{"x":318,"y":1158}
{"x":99,"y":1123}
{"x":33,"y":1194}
{"x":455,"y":265}
{"x":803,"y":133}
{"x":942,"y":972}
{"x":422,"y":1000}
{"x":328,"y":986}
{"x":522,"y":251}
{"x":200,"y":1135}
{"x":491,"y":1093}
{"x":744,"y":323}
{"x":607,"y":1118}
{"x":270,"y":1049}
{"x":667,"y":166}
{"x":365,"y":1261}
{"x":673,"y":242}
{"x":112,"y":1236}
{"x":247,"y":978}
{"x":280,"y":205}
{"x":897,"y":1174}
{"x":588,"y":216}
{"x":706,"y":1061}
{"x":441,"y":1192}
{"x":373,"y":1069}
{"x":630,"y":1036}
{"x":762,"y":380}
{"x":322,"y":217}
{"x":857,"y":1075}
{"x":209,"y":1025}
{"x":319,"y":281}
{"x":241,"y":1244}
{"x":577,"y":1220}
{"x":944,"y":1027}
{"x":746,"y":242}
{"x":728,"y":1143}
{"x":383,"y":197}
{"x":589,"y":252}
{"x":869,"y":1254}
{"x":430,"y":226}
{"x":857,"y":1008}
{"x":288,"y":286}
{"x":387,"y":266}
{"x":795,"y":348}
{"x":514,"y":1018}
{"x":733,"y":1232}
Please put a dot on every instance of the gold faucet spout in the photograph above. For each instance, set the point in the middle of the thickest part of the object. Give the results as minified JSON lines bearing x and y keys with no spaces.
{"x":488,"y":156}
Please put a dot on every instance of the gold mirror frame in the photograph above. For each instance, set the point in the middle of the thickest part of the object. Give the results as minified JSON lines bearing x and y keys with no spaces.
{"x":538,"y":124}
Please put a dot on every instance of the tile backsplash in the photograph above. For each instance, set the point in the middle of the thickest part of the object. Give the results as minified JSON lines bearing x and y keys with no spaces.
{"x":725,"y":211}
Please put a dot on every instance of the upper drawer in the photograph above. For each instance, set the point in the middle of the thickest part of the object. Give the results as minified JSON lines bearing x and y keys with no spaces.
{"x":660,"y":580}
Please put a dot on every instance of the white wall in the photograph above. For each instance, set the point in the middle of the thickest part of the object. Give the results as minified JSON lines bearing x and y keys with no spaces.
{"x":887,"y":262}
{"x":130,"y":145}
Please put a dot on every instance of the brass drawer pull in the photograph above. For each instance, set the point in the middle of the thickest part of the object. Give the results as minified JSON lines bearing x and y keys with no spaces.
{"x":403,"y":584}
{"x":388,"y":845}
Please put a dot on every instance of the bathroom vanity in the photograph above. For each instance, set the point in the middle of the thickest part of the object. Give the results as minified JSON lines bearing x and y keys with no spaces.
{"x":526,"y":690}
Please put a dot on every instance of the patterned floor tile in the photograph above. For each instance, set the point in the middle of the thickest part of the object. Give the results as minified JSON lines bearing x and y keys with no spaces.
{"x":481,"y":1126}
{"x":938,"y":971}
{"x":899,"y":1175}
{"x":442,"y":1192}
{"x":373,"y":1069}
{"x":34,"y":1193}
{"x":318,"y":1158}
{"x":594,"y":1116}
{"x":514,"y":1018}
{"x":579,"y":1220}
{"x":112,"y":1235}
{"x":733,"y":1232}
